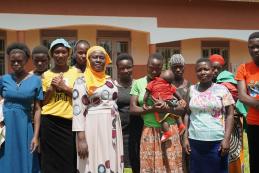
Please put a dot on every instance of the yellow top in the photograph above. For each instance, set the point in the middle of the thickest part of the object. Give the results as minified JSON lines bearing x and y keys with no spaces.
{"x":60,"y":103}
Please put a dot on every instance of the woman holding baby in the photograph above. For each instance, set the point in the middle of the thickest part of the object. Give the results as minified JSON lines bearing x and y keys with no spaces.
{"x":156,"y":156}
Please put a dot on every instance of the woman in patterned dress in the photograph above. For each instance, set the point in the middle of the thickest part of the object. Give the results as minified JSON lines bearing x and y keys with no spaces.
{"x":210,"y":123}
{"x":96,"y":119}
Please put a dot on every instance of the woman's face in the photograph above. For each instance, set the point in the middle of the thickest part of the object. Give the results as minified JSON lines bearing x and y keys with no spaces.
{"x":178,"y":70}
{"x":40,"y":61}
{"x":81,"y":50}
{"x":124,"y":69}
{"x":60,"y":55}
{"x":97,"y":61}
{"x":216,"y":69}
{"x":17,"y":62}
{"x":253,"y":47}
{"x":154,"y":68}
{"x":204,"y":72}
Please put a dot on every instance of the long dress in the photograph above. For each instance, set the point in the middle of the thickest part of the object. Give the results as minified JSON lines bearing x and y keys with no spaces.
{"x":15,"y":156}
{"x":98,"y":117}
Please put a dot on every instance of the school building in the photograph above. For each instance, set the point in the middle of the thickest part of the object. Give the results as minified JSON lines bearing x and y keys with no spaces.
{"x":195,"y":28}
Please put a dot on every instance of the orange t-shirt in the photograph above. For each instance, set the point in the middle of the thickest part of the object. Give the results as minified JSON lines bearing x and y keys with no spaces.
{"x":249,"y":72}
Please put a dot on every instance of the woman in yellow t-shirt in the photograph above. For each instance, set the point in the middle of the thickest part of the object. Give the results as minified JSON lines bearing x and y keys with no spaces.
{"x":57,"y":140}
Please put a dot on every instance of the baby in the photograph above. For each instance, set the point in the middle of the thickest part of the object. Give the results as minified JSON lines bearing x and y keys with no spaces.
{"x":161,"y":88}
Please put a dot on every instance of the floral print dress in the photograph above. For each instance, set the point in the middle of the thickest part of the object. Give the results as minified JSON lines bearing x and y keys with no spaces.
{"x":98,"y":117}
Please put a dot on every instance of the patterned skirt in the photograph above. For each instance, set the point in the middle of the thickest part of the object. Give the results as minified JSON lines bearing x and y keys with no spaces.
{"x":236,"y":153}
{"x":105,"y":145}
{"x":157,"y":157}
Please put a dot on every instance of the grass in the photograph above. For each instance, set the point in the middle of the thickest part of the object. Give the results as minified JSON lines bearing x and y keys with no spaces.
{"x":246,"y":153}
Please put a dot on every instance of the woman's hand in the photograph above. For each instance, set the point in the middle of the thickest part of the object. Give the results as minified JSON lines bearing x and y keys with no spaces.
{"x":186,"y":146}
{"x":59,"y":83}
{"x":1,"y":124}
{"x":160,"y":105}
{"x":56,"y":81}
{"x":224,"y":147}
{"x":182,"y":103}
{"x":82,"y":147}
{"x":34,"y":144}
{"x":51,"y":88}
{"x":146,"y":107}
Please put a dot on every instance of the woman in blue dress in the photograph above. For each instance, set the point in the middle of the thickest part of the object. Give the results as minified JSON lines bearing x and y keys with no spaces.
{"x":19,"y":90}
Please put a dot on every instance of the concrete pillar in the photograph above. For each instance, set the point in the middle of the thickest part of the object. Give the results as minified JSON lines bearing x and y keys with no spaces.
{"x":152,"y":49}
{"x":20,"y":36}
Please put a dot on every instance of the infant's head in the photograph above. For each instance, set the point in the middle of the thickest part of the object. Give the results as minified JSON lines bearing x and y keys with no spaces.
{"x":167,"y":75}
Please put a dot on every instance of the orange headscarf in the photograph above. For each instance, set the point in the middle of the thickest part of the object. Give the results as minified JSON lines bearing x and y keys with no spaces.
{"x":217,"y":58}
{"x":95,"y":79}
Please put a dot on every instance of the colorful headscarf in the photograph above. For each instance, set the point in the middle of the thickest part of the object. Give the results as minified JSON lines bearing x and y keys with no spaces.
{"x":217,"y":58}
{"x":95,"y":79}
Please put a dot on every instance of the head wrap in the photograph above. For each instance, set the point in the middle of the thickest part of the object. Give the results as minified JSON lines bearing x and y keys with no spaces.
{"x":95,"y":79}
{"x":217,"y":58}
{"x":177,"y":59}
{"x":60,"y":41}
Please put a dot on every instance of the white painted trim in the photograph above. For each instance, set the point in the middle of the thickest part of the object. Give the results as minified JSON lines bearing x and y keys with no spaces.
{"x":36,"y":21}
{"x":144,"y":24}
{"x":161,"y":35}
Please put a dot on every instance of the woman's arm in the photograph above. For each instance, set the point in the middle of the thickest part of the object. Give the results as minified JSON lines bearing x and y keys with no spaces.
{"x":37,"y":115}
{"x":229,"y":123}
{"x":244,"y":97}
{"x":135,"y":109}
{"x":78,"y":121}
{"x":178,"y":96}
{"x":1,"y":113}
{"x":82,"y":147}
{"x":48,"y":94}
{"x":186,"y":144}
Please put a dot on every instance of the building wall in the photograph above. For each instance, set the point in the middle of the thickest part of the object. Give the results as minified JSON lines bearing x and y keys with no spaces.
{"x":11,"y":36}
{"x":238,"y":54}
{"x":191,"y":49}
{"x":177,"y":13}
{"x":139,"y":42}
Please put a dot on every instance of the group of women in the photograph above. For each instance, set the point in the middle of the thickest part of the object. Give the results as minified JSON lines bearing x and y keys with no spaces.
{"x":86,"y":122}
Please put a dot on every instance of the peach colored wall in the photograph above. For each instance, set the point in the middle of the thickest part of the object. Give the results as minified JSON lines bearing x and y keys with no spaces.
{"x":87,"y":33}
{"x":177,"y":13}
{"x":140,"y":47}
{"x":191,"y":50}
{"x":32,"y":39}
{"x":139,"y":40}
{"x":238,"y":53}
{"x":10,"y":38}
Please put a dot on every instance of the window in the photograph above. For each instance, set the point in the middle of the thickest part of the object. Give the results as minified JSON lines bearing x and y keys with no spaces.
{"x":167,"y":50}
{"x":115,"y":43}
{"x":47,"y":36}
{"x":216,"y":47}
{"x":2,"y":52}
